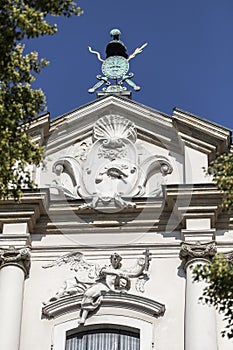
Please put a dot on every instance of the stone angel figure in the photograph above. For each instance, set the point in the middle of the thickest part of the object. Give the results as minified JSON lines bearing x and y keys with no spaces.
{"x":92,"y":281}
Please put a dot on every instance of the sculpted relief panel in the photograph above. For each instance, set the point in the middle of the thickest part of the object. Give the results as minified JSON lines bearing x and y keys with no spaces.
{"x":92,"y":281}
{"x":109,"y":170}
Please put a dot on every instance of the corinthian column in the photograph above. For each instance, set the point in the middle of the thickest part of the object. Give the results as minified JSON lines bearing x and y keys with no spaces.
{"x":14,"y":267}
{"x":200,"y":322}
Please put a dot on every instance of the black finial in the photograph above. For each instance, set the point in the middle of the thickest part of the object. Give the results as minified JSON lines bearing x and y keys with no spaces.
{"x":116,"y":47}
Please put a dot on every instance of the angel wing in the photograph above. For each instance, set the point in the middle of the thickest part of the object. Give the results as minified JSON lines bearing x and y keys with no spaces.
{"x":77,"y":263}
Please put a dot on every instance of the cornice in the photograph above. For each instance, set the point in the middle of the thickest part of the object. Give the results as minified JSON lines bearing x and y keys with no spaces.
{"x":32,"y":205}
{"x":194,"y":131}
{"x":16,"y":240}
{"x":153,"y":126}
{"x":126,"y":301}
{"x":198,"y":145}
{"x":194,"y":201}
{"x":67,"y":217}
{"x":201,"y":134}
{"x":39,"y":128}
{"x":103,"y":101}
{"x":150,"y":215}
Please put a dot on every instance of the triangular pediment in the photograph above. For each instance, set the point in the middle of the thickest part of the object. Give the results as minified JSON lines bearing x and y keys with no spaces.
{"x":152,"y":125}
{"x":78,"y":124}
{"x":113,"y":133}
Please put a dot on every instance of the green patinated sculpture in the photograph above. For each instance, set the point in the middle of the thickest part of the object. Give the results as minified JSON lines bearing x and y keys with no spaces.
{"x":115,"y":66}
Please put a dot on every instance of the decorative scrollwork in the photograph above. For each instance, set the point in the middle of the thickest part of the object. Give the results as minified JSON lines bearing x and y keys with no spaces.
{"x":110,"y":169}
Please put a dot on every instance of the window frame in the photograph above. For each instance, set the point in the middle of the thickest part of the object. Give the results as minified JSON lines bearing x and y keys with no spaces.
{"x":115,"y":330}
{"x":144,"y":328}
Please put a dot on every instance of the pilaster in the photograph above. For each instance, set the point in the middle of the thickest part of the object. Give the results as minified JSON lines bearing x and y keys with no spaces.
{"x":17,"y":222}
{"x":200,"y":322}
{"x":14,"y":267}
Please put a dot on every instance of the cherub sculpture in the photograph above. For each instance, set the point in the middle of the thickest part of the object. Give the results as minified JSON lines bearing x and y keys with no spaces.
{"x":92,"y":282}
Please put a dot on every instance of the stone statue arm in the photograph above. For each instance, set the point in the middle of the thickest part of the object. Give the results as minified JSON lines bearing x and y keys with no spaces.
{"x":110,"y":271}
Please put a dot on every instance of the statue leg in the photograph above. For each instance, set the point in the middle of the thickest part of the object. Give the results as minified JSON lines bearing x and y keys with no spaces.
{"x":83,"y":316}
{"x":91,"y":300}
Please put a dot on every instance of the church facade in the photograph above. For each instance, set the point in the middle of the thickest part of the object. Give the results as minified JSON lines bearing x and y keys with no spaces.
{"x":100,"y":255}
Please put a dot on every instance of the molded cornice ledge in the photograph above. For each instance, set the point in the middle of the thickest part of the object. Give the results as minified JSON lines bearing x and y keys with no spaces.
{"x":202,"y":134}
{"x":194,"y":201}
{"x":127,"y":301}
{"x":31,"y":206}
{"x":39,"y":128}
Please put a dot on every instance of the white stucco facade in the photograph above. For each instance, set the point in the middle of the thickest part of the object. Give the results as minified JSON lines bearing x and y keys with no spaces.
{"x":118,"y":177}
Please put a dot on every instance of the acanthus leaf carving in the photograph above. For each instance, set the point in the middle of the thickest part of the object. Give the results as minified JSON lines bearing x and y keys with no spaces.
{"x":190,"y":252}
{"x":16,"y":256}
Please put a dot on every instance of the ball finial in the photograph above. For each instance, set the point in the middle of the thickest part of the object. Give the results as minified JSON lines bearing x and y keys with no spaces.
{"x":115,"y":33}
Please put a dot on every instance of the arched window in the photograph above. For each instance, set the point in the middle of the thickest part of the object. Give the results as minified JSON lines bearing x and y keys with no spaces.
{"x":127,"y":331}
{"x":108,"y":337}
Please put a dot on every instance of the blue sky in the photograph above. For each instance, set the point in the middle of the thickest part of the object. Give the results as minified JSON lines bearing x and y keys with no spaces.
{"x":188,"y":62}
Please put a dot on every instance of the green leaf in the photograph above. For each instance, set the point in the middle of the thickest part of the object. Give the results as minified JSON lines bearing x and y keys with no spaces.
{"x":19,"y":102}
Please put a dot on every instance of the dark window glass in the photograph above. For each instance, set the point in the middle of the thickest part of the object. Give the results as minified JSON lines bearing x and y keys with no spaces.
{"x":103,"y":339}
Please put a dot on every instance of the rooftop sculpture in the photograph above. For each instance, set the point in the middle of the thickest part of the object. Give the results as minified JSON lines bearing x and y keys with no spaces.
{"x":116,"y":66}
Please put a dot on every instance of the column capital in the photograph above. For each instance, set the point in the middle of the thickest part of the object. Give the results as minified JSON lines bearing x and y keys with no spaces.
{"x":229,"y":257}
{"x":16,"y":256}
{"x":190,"y":252}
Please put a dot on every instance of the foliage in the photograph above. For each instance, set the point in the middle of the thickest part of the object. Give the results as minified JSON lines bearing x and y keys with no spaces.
{"x":19,"y":103}
{"x":222,"y":170}
{"x":219,"y":292}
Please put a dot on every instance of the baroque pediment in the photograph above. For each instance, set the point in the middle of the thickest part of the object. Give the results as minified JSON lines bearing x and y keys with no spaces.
{"x":114,"y":148}
{"x":108,"y":166}
{"x":154,"y":126}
